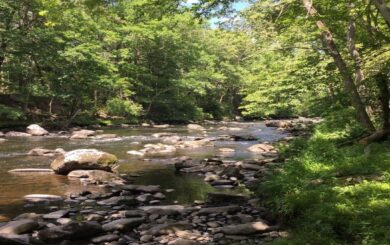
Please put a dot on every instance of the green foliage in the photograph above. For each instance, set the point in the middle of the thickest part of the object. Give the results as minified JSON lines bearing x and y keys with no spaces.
{"x":332,"y":194}
{"x":10,"y":113}
{"x":84,"y":54}
{"x":125,"y":108}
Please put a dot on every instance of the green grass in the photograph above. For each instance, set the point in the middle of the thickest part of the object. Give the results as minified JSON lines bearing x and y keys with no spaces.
{"x":328,"y":194}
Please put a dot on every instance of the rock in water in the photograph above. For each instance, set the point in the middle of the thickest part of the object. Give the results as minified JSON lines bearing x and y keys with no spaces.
{"x":19,"y":226}
{"x":17,"y":134}
{"x":262,"y":148}
{"x":96,"y":176}
{"x":42,"y":198}
{"x":36,"y":130}
{"x":195,"y":127}
{"x":84,"y":159}
{"x":45,"y":152}
{"x":70,"y":231}
{"x":82,"y":134}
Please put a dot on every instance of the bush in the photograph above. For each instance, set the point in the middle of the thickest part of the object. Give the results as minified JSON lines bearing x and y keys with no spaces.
{"x":10,"y":113}
{"x":122,"y":107}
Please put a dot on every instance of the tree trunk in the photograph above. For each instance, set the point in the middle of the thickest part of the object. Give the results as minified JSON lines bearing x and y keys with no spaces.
{"x":349,"y":84}
{"x":359,"y":76}
{"x":383,"y":9}
{"x":384,"y":98}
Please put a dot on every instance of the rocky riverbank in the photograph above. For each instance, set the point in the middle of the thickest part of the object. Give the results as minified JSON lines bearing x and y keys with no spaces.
{"x":132,"y":214}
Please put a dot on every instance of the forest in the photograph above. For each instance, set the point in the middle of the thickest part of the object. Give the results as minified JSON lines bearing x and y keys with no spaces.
{"x":70,"y":63}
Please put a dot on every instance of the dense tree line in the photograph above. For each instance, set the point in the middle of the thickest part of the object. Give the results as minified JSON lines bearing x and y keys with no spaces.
{"x":160,"y":60}
{"x":131,"y":59}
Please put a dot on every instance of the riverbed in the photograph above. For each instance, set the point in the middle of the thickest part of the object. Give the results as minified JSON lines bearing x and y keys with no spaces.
{"x":148,"y":170}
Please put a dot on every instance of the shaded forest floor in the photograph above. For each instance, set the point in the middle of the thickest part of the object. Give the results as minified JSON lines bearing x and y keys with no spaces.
{"x":329,"y":192}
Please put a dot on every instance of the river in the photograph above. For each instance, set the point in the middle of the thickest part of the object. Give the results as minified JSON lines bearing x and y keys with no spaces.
{"x":155,"y":170}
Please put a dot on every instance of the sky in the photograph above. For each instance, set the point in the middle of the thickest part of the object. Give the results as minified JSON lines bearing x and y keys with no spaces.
{"x":240,"y":5}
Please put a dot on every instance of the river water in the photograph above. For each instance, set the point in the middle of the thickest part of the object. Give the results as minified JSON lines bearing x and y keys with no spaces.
{"x":155,"y":170}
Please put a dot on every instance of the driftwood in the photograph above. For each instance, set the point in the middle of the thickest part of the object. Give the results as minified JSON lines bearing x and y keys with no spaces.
{"x":375,"y":137}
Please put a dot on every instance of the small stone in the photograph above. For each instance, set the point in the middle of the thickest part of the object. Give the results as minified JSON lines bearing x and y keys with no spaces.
{"x":56,"y":215}
{"x":105,"y":238}
{"x":146,"y":238}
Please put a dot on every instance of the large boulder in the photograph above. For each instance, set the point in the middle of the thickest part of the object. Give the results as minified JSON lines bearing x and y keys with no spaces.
{"x":36,"y":130}
{"x":84,"y":159}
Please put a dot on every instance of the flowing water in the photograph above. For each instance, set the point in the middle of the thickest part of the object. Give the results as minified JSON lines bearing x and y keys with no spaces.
{"x":155,"y":170}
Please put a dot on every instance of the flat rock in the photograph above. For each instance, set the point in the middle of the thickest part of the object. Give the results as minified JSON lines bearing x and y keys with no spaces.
{"x":164,"y":209}
{"x":142,"y":188}
{"x":32,"y":216}
{"x":136,"y":153}
{"x":195,"y":127}
{"x":45,"y":152}
{"x":31,"y":170}
{"x":169,"y":228}
{"x":99,"y":176}
{"x":42,"y":198}
{"x":144,"y":197}
{"x":105,"y":238}
{"x":105,"y":136}
{"x":82,"y":134}
{"x":226,"y":198}
{"x":56,"y":215}
{"x":17,"y":134}
{"x":184,"y":242}
{"x":71,"y":231}
{"x":161,"y":126}
{"x":20,"y":226}
{"x":119,"y":200}
{"x":123,"y":224}
{"x":246,"y":229}
{"x":224,"y":209}
{"x":15,"y":239}
{"x":262,"y":148}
